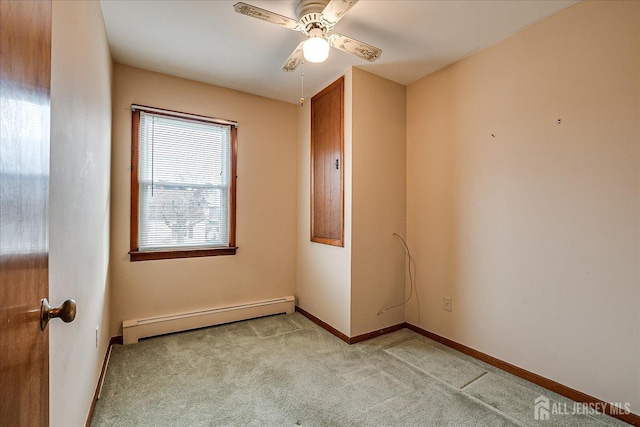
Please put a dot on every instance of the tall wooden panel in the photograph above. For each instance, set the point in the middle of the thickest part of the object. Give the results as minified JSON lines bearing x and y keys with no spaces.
{"x":25,"y":75}
{"x":327,"y":171}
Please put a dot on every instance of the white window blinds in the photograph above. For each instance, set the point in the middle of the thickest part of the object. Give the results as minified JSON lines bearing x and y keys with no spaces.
{"x":184,"y":178}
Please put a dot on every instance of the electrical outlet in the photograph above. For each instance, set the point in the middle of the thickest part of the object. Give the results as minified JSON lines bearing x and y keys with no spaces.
{"x":97,"y":334}
{"x":447,"y":304}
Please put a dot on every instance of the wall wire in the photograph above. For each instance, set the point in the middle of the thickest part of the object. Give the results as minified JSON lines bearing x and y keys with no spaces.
{"x":410,"y":262}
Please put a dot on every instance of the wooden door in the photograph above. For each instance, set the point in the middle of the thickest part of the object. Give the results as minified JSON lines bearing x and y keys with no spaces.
{"x":327,"y":146}
{"x":25,"y":70}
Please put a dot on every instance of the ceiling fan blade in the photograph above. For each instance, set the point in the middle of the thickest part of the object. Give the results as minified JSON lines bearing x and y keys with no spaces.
{"x":266,"y":15}
{"x":335,"y":10}
{"x":294,"y":59}
{"x":355,"y":47}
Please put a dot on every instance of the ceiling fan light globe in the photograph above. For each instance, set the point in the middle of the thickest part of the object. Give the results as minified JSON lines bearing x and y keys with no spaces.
{"x":316,"y":49}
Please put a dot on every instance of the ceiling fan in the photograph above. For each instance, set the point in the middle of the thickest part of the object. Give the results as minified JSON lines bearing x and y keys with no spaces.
{"x":316,"y":19}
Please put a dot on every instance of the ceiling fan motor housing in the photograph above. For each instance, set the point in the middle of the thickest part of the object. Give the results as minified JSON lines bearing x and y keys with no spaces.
{"x":316,"y":19}
{"x":309,"y":12}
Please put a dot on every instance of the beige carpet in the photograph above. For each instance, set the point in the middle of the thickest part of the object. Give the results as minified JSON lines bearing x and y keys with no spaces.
{"x":286,"y":371}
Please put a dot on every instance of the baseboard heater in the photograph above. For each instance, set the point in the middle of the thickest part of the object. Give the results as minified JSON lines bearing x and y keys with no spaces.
{"x":133,"y":330}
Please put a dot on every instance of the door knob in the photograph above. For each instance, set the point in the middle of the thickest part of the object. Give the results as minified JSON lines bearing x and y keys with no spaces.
{"x":66,"y":312}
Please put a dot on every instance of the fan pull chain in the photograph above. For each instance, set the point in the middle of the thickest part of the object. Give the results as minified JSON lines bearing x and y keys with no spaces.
{"x":302,"y":89}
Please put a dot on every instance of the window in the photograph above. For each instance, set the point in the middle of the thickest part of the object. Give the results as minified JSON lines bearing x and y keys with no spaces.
{"x":183,"y":193}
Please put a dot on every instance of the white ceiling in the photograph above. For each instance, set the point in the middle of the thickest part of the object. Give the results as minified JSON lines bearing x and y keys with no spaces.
{"x":207,"y":41}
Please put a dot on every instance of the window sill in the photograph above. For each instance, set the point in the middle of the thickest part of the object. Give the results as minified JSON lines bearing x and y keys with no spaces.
{"x":191,"y":253}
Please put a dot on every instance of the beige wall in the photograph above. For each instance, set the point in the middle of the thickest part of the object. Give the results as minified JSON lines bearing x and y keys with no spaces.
{"x":378,"y":201}
{"x":79,"y":194}
{"x":347,"y":287}
{"x":264,"y":266}
{"x":534,"y":232}
{"x":323,"y":272}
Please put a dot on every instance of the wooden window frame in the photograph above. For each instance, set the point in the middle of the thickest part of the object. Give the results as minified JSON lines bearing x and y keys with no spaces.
{"x":318,"y":239}
{"x":135,"y":254}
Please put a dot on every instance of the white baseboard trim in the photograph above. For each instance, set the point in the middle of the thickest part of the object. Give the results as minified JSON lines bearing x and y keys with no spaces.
{"x":134,"y":329}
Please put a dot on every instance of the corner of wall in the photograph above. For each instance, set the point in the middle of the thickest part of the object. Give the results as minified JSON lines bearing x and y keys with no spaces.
{"x":378,"y":135}
{"x":323,"y":272}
